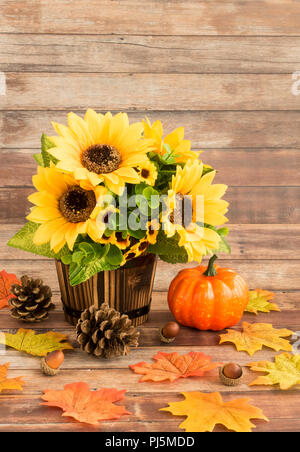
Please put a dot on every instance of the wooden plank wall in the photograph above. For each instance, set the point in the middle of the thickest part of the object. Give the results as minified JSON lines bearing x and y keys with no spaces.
{"x":224,"y":71}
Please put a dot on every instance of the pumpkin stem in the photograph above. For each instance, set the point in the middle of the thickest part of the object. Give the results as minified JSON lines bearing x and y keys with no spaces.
{"x":211,"y":271}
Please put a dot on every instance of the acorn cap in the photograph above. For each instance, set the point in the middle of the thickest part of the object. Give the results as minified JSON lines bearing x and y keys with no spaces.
{"x":167,"y":340}
{"x":47,"y":369}
{"x":229,"y":381}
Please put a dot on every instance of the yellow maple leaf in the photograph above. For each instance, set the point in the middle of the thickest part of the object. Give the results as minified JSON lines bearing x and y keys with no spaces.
{"x":9,"y":383}
{"x":285,"y":371}
{"x":35,"y":344}
{"x":259,"y":301}
{"x":204,"y":411}
{"x":254,"y":336}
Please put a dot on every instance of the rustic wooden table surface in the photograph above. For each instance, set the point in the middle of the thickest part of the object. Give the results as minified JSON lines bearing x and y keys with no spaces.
{"x":223,"y":70}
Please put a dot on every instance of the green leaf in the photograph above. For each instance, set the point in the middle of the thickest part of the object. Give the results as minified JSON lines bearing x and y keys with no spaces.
{"x":39,"y":159}
{"x":77,"y":257}
{"x":86,"y":248}
{"x":67,"y":259}
{"x":114,"y":256}
{"x":173,"y":258}
{"x":206,"y":170}
{"x":23,"y":240}
{"x":47,"y":144}
{"x":139,"y":234}
{"x":140,"y":188}
{"x":142,"y":204}
{"x":167,"y":148}
{"x":96,"y":258}
{"x":168,"y":248}
{"x":152,"y":197}
{"x":224,"y":247}
{"x":223,"y":231}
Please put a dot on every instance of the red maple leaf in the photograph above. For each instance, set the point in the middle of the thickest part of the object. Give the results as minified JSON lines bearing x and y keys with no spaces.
{"x":78,"y":402}
{"x":6,"y":281}
{"x":171,"y":366}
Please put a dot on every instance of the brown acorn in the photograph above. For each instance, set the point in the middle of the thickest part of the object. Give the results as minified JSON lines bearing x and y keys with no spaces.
{"x":51,"y":363}
{"x":169,"y":332}
{"x":231,"y":374}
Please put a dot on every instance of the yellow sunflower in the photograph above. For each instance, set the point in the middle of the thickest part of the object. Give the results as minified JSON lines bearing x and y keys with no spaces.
{"x":136,"y":250}
{"x":116,"y":238}
{"x":147,"y":172}
{"x":153,"y":227}
{"x":101,"y":148}
{"x":193,"y":199}
{"x":175,"y":139}
{"x":64,"y":209}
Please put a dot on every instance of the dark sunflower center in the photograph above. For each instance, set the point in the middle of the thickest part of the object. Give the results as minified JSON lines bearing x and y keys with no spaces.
{"x":101,"y":159}
{"x":119,"y":237}
{"x":145,"y":173}
{"x":143,"y":246}
{"x":77,"y":204}
{"x":183,"y":211}
{"x":151,"y":230}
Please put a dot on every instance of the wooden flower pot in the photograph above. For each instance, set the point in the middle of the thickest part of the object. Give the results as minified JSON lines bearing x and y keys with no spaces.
{"x":128,"y":289}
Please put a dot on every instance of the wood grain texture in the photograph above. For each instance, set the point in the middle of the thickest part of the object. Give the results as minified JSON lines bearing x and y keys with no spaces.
{"x":277,"y":425}
{"x":206,"y":130}
{"x":175,"y":17}
{"x":80,"y":360}
{"x":149,"y":336}
{"x":289,"y":303}
{"x":164,"y":92}
{"x":257,"y":205}
{"x":148,"y":54}
{"x":269,"y":274}
{"x":221,"y":69}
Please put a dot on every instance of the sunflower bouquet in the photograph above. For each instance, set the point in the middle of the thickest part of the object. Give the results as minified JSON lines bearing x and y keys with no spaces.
{"x":108,"y":191}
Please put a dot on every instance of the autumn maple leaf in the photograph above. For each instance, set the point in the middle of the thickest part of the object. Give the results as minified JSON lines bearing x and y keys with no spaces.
{"x":35,"y":344}
{"x":171,"y":366}
{"x":254,"y":336}
{"x":9,"y":383}
{"x":6,"y":281}
{"x":285,"y":371}
{"x":78,"y":402}
{"x":259,"y":301}
{"x":204,"y":411}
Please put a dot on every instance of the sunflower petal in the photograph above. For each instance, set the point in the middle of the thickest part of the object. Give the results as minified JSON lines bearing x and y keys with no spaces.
{"x":80,"y":128}
{"x":45,"y":231}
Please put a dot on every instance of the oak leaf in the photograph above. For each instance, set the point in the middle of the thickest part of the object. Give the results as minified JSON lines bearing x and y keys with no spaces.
{"x":285,"y":371}
{"x":9,"y":383}
{"x":254,"y":336}
{"x":35,"y":344}
{"x":259,"y":301}
{"x":6,"y":281}
{"x":78,"y":402}
{"x":204,"y":411}
{"x":171,"y":366}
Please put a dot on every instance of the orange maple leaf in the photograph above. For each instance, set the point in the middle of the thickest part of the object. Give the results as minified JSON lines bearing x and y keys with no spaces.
{"x":171,"y":366}
{"x":204,"y":411}
{"x":78,"y":402}
{"x":9,"y":383}
{"x":256,"y":335}
{"x":6,"y":281}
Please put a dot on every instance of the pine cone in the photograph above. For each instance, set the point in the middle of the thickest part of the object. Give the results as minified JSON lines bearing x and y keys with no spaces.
{"x":32,"y":302}
{"x":105,"y":332}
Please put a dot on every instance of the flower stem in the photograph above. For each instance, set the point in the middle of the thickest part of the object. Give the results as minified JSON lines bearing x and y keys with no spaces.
{"x":211,"y":271}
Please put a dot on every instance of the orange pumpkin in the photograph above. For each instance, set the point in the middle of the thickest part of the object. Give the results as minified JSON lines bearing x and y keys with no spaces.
{"x":211,"y":298}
